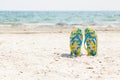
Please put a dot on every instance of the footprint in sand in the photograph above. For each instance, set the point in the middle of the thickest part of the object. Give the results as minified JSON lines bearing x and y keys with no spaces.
{"x":57,"y":56}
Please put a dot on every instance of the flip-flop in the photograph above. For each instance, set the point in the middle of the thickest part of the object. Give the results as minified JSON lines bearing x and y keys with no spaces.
{"x":90,"y":42}
{"x":76,"y":39}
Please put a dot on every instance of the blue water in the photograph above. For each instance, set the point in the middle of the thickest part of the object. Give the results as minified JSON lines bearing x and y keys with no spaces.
{"x":54,"y":17}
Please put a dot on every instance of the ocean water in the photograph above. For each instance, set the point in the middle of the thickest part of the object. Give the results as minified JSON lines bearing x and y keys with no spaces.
{"x":60,"y":17}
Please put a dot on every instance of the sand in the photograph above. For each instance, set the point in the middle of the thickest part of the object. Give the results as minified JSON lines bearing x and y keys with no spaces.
{"x":44,"y":55}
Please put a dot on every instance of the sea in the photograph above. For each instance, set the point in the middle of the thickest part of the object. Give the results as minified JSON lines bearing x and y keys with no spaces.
{"x":60,"y":17}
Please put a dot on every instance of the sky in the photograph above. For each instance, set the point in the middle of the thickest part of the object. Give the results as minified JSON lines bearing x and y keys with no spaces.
{"x":60,"y":5}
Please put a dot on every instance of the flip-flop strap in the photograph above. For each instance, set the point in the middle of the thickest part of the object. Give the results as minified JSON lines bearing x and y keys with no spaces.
{"x":88,"y":36}
{"x":77,"y":38}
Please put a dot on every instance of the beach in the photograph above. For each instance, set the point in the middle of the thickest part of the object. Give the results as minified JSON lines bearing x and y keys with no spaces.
{"x":43,"y":54}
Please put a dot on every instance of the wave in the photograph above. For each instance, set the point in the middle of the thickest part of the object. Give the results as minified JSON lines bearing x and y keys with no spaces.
{"x":51,"y":25}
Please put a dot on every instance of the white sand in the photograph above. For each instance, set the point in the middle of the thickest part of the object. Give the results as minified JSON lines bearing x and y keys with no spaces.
{"x":44,"y":56}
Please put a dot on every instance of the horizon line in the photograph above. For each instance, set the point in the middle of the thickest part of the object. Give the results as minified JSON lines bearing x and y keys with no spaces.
{"x":60,"y":10}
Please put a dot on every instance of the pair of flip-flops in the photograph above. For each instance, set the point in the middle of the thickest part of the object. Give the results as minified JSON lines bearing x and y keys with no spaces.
{"x":90,"y":41}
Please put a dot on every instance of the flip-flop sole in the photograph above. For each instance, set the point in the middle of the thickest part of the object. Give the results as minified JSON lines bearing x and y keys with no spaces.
{"x":90,"y":42}
{"x":76,"y":38}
